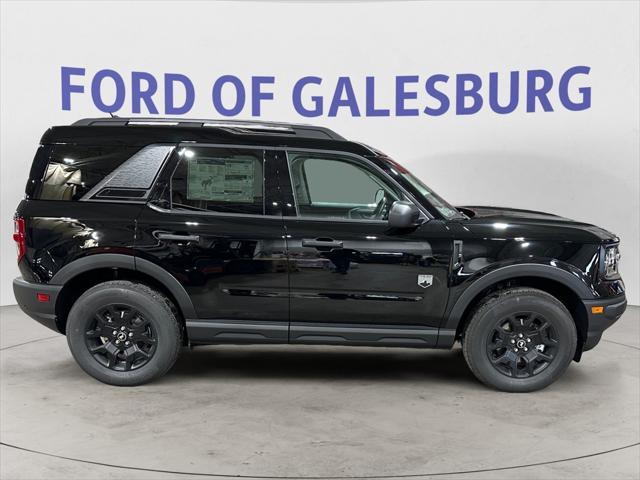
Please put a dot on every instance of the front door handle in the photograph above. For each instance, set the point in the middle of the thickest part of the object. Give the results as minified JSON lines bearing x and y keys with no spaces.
{"x":179,"y":238}
{"x":321,"y":243}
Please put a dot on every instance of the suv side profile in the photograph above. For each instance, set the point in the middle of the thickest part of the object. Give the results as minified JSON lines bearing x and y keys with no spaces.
{"x":137,"y":237}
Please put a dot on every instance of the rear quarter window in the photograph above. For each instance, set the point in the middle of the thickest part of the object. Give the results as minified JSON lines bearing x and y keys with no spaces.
{"x":73,"y":170}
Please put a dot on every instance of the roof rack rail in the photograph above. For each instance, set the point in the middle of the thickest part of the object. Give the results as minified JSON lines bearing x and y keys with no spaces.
{"x":251,"y":126}
{"x":234,"y":126}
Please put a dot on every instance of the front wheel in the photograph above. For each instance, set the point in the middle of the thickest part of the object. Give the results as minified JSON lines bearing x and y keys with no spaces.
{"x":123,"y":333}
{"x":519,"y":340}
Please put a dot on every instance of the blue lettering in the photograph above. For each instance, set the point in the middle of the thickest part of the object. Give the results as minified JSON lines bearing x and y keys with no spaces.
{"x":257,"y":95}
{"x":462,"y":93}
{"x":344,"y":86}
{"x":96,"y":95}
{"x":513,"y":93}
{"x":67,"y":88}
{"x":370,"y":92}
{"x":540,"y":93}
{"x":217,"y":95}
{"x":431,"y":89}
{"x":585,"y":92}
{"x":138,"y":95}
{"x":402,"y":95}
{"x":169,"y":107}
{"x":297,"y":100}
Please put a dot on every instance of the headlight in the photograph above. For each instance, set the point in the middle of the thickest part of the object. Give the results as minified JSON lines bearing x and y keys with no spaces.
{"x":611,"y":261}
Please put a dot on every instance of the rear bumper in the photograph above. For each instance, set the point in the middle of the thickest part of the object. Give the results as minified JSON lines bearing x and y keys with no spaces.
{"x":613,"y":308}
{"x":43,"y":312}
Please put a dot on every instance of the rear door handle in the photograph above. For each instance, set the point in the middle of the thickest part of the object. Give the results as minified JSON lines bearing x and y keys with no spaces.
{"x":179,"y":238}
{"x":321,"y":242}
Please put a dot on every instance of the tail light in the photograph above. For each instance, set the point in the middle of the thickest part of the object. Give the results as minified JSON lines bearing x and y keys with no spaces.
{"x":19,"y":236}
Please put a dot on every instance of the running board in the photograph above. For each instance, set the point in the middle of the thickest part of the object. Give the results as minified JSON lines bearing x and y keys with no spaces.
{"x":236,"y":331}
{"x":252,"y":332}
{"x":369,"y":335}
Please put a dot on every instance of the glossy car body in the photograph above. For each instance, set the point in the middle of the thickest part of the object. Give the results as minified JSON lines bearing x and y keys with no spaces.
{"x":283,"y":277}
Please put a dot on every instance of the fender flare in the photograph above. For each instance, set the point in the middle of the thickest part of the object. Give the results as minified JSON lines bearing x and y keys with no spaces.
{"x":565,"y":275}
{"x":118,"y":260}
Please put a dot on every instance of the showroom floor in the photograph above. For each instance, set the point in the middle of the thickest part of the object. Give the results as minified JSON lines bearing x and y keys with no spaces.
{"x":314,"y":412}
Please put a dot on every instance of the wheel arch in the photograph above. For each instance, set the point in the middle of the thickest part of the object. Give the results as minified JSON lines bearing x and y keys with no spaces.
{"x":82,"y":274}
{"x":563,"y":284}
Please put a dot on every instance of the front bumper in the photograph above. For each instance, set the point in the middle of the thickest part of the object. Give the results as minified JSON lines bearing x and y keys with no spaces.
{"x":612,"y":310}
{"x":26,"y":294}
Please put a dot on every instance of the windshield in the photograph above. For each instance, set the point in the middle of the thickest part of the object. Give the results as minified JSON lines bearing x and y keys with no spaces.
{"x":447,"y":210}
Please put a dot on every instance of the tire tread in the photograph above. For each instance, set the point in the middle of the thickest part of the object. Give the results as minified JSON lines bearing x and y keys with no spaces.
{"x":473,"y":328}
{"x":171,"y":314}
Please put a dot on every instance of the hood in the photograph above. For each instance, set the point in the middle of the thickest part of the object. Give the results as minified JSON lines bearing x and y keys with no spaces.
{"x":512,"y":222}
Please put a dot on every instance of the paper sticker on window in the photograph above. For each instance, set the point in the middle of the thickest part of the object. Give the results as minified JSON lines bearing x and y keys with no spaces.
{"x":221,"y":179}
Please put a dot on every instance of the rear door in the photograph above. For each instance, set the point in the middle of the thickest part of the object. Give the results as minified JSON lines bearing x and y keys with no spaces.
{"x":353,"y":279}
{"x":216,"y":226}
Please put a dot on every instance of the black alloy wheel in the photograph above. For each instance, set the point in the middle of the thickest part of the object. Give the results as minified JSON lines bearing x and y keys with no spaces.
{"x":520,"y":339}
{"x":522,"y":345}
{"x":121,"y":338}
{"x":124,"y":333}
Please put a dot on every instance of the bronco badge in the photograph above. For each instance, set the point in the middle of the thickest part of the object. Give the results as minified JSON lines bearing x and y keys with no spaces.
{"x":425,"y":280}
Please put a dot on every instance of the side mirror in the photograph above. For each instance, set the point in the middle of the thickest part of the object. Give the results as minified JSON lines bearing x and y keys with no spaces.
{"x":404,"y":215}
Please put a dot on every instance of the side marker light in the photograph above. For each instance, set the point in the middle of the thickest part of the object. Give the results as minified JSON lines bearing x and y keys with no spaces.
{"x":43,"y":297}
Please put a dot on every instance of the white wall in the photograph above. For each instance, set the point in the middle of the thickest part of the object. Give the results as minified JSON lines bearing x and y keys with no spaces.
{"x":582,"y":165}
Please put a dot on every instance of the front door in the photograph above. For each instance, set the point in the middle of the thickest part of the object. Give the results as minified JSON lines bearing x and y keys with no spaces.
{"x":353,"y":280}
{"x":218,"y":229}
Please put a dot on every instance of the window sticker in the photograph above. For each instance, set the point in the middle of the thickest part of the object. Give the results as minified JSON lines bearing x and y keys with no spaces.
{"x":221,"y":179}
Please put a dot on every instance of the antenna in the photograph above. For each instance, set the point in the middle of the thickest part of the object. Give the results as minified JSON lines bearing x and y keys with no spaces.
{"x":112,"y":115}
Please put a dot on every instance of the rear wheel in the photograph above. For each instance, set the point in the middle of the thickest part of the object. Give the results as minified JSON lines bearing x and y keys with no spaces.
{"x":123,"y":333}
{"x":519,"y":340}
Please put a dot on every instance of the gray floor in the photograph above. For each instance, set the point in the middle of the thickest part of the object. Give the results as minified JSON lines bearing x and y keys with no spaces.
{"x":314,"y":412}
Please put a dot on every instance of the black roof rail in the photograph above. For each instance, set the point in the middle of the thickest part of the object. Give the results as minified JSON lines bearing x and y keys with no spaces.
{"x":255,"y":127}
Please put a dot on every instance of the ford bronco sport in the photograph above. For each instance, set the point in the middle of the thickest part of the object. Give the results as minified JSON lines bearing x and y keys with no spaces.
{"x":137,"y":237}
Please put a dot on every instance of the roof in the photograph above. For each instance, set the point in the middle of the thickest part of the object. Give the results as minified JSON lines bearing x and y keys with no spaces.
{"x":140,"y":131}
{"x":236,"y":126}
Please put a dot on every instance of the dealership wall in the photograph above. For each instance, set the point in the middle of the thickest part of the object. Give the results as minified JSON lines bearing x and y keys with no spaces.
{"x":580,"y":163}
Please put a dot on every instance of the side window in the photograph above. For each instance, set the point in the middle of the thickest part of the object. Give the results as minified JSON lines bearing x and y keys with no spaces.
{"x":74,"y":170}
{"x":331,"y":186}
{"x":216,"y":179}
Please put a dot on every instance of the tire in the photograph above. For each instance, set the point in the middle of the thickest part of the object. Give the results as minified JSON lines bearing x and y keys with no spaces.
{"x":112,"y":314}
{"x":528,"y":318}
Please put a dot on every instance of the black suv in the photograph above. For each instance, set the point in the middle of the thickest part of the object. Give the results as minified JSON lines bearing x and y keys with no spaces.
{"x":140,"y":236}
